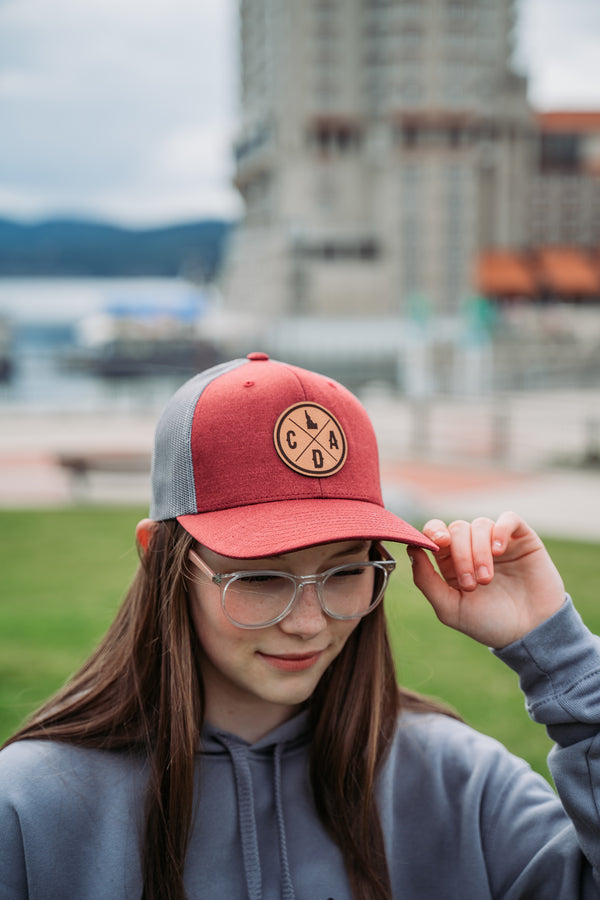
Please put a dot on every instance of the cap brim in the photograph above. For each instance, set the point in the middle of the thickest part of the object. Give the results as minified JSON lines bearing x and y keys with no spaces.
{"x":268,"y":529}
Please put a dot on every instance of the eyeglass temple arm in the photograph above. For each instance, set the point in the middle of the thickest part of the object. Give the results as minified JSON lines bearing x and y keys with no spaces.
{"x":387,"y":556}
{"x":204,"y":567}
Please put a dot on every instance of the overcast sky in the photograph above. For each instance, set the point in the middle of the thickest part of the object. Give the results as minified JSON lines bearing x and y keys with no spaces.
{"x":125,"y":109}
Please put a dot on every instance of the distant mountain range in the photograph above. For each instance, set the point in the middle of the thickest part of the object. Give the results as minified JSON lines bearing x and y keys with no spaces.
{"x":70,"y":248}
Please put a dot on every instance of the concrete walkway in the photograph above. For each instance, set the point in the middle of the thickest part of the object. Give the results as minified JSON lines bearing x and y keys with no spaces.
{"x":557,"y":503}
{"x":449,"y":460}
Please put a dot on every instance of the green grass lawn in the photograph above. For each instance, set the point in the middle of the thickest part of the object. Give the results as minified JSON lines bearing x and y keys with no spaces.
{"x":63,"y":574}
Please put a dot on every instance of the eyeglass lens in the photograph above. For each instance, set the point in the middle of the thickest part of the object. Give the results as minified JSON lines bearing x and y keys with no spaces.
{"x":260,"y":597}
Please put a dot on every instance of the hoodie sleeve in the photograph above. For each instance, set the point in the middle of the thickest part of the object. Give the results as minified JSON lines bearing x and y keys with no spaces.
{"x":558,"y":664}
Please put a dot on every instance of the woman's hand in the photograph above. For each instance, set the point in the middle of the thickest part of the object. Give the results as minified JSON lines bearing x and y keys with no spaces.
{"x":496,"y":580}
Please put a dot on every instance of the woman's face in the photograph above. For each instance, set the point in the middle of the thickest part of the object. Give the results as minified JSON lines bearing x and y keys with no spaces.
{"x":256,"y":679}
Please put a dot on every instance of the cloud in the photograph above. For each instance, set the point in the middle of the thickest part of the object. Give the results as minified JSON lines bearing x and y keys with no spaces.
{"x":96,"y":97}
{"x":184,"y":152}
{"x":126,"y":108}
{"x":559,"y":48}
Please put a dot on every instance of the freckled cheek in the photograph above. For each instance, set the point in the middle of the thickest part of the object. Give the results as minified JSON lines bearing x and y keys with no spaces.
{"x":211,"y":624}
{"x":216,"y":631}
{"x":343,"y":630}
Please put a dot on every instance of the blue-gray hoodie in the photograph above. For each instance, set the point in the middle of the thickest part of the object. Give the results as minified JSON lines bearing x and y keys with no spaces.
{"x":462,"y":818}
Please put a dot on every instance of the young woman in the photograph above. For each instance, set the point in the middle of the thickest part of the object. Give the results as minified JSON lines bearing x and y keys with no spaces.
{"x":239,"y":732}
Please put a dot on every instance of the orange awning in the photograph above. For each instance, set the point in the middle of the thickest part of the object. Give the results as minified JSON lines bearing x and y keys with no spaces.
{"x":567,"y":271}
{"x":570,"y":121}
{"x":501,"y":273}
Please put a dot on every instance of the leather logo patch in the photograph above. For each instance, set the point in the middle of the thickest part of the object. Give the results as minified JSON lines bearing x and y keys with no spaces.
{"x":310,"y":440}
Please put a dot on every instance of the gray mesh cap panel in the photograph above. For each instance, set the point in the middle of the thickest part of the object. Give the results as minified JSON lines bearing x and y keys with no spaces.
{"x":173,"y":488}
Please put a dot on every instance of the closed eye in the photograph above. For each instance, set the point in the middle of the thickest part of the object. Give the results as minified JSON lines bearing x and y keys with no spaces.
{"x":344,"y":573}
{"x":258,"y":578}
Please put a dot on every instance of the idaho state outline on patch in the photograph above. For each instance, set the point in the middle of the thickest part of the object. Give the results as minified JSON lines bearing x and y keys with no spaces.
{"x":310,"y":440}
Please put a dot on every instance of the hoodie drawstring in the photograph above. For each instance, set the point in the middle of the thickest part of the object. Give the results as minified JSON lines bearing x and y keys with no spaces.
{"x":243,"y":783}
{"x":287,"y":888}
{"x":248,"y":832}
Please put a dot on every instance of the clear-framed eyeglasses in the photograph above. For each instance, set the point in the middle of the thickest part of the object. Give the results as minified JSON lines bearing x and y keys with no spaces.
{"x":256,"y":598}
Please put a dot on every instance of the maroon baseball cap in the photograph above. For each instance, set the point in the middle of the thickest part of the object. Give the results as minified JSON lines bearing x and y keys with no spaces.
{"x":256,"y":457}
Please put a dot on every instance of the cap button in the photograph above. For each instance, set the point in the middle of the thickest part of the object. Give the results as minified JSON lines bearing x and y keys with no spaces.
{"x":257,"y":356}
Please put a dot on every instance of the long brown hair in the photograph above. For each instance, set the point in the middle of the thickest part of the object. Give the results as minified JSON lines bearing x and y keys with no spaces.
{"x":141,"y":691}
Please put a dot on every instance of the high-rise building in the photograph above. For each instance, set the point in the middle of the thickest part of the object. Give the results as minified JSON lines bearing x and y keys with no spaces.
{"x":560,"y":260}
{"x":382,"y":145}
{"x":565,"y":190}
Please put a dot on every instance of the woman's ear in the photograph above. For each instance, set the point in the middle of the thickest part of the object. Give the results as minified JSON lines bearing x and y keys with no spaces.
{"x":144,"y":531}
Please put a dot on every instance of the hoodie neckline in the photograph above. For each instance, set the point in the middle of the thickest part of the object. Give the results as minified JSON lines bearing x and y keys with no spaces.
{"x":292,"y":733}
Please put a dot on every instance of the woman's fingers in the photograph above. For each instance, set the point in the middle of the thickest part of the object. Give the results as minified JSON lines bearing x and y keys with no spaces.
{"x":435,"y":588}
{"x":481,"y":547}
{"x":509,"y":525}
{"x":495,"y":581}
{"x":437,"y":531}
{"x":465,"y":557}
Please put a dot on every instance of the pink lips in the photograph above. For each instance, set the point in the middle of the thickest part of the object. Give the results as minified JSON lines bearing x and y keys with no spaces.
{"x":294,"y":662}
